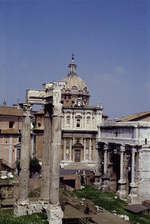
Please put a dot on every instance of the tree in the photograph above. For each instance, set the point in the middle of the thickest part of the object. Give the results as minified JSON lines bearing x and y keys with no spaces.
{"x":34,"y":165}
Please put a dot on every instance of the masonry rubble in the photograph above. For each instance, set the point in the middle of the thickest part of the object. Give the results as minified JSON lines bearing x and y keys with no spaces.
{"x":50,"y":96}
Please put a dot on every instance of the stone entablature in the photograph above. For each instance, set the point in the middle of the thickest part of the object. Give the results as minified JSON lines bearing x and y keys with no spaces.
{"x":126,"y":132}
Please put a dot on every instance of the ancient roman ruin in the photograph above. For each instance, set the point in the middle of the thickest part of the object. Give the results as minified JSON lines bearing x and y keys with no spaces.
{"x":50,"y":97}
{"x":123,"y":160}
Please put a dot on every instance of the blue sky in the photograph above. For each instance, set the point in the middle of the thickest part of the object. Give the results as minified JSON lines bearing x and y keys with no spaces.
{"x":109,"y":38}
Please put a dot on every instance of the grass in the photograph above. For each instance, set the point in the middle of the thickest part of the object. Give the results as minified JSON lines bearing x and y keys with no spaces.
{"x":102,"y":199}
{"x":6,"y":217}
{"x":108,"y":201}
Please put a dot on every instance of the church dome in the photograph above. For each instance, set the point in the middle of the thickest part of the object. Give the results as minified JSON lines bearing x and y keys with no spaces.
{"x":75,"y":87}
{"x":74,"y":80}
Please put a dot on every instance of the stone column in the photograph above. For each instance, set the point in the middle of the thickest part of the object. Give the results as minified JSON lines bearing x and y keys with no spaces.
{"x":97,"y":182}
{"x":45,"y":184}
{"x":105,"y":159}
{"x":70,"y":149}
{"x":122,"y":193}
{"x":105,"y":178}
{"x":71,"y":120}
{"x":84,"y":149}
{"x":23,"y":201}
{"x":90,"y":149}
{"x":25,"y":155}
{"x":85,"y":121}
{"x":133,"y":197}
{"x":64,"y":148}
{"x":54,"y":211}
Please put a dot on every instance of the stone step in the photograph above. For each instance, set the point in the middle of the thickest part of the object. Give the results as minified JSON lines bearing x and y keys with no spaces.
{"x":8,"y":202}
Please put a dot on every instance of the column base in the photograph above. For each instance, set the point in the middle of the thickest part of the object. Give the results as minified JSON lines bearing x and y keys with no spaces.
{"x":121,"y":193}
{"x":54,"y":214}
{"x":133,"y":197}
{"x":105,"y":184}
{"x":97,"y":185}
{"x":29,"y":208}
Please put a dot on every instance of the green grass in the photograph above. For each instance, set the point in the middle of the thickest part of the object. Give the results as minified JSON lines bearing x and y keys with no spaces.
{"x":36,"y":218}
{"x":108,"y":201}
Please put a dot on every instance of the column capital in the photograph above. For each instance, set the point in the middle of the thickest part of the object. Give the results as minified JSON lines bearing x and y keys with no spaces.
{"x":133,"y":150}
{"x":105,"y":147}
{"x":27,"y":107}
{"x":122,"y":148}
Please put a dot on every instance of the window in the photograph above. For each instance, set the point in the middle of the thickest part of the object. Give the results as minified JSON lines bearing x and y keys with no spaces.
{"x":11,"y":124}
{"x":68,"y":119}
{"x":19,"y":139}
{"x":88,"y":120}
{"x":78,"y":123}
{"x":39,"y":124}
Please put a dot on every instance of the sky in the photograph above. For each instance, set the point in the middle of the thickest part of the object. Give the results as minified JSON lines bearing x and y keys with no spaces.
{"x":110,"y":41}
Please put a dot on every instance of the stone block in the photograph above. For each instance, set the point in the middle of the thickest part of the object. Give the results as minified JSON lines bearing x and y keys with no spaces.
{"x":54,"y":214}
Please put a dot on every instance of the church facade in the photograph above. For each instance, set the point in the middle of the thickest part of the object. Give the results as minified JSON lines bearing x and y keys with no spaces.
{"x":79,"y":122}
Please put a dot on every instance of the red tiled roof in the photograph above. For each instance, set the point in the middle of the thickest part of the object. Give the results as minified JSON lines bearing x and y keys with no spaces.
{"x":133,"y":117}
{"x":11,"y":111}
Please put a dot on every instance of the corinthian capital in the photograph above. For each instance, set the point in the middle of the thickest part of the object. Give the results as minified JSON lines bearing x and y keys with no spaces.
{"x":27,"y":109}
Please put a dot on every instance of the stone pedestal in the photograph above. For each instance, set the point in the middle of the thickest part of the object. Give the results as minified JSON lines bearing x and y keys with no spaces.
{"x":54,"y":214}
{"x":98,"y":181}
{"x":29,"y":208}
{"x":133,"y":197}
{"x":105,"y":183}
{"x":122,"y":193}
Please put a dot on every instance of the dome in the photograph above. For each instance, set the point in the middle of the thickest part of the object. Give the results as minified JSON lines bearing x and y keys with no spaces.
{"x":74,"y":81}
{"x":75,"y":88}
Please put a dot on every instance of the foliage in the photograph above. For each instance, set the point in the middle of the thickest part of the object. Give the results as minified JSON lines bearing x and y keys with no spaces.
{"x":34,"y":165}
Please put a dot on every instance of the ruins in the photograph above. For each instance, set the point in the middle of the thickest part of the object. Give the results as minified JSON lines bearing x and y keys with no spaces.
{"x":123,"y":160}
{"x":50,"y":97}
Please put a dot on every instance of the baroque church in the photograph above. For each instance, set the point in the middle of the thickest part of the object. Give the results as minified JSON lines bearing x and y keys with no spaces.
{"x":79,"y":122}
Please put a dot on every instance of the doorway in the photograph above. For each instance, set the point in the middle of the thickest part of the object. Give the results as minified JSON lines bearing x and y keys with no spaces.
{"x":77,"y":155}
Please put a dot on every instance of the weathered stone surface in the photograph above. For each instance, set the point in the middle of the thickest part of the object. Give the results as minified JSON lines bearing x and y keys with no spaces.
{"x":25,"y":155}
{"x":28,"y":208}
{"x":54,"y":214}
